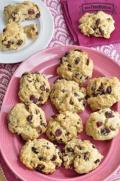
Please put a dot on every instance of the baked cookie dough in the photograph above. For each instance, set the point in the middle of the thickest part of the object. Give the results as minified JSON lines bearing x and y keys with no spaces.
{"x":103,"y":92}
{"x":21,"y":11}
{"x":13,"y":37}
{"x":82,"y":156}
{"x":27,"y":120}
{"x":99,"y":24}
{"x":34,"y":87}
{"x":76,"y":65}
{"x":103,"y":124}
{"x":31,"y":31}
{"x":64,"y":127}
{"x":68,"y":96}
{"x":41,"y":155}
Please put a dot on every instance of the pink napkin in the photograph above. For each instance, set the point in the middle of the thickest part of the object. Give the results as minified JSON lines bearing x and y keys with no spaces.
{"x":74,"y":9}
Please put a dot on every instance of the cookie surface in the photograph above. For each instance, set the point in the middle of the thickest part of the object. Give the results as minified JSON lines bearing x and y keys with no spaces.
{"x":103,"y":124}
{"x":68,"y":96}
{"x":41,"y":155}
{"x":64,"y":127}
{"x":27,"y":120}
{"x":13,"y":37}
{"x":76,"y":65}
{"x":34,"y":87}
{"x":21,"y":11}
{"x":31,"y":31}
{"x":98,"y":24}
{"x":82,"y":156}
{"x":103,"y":92}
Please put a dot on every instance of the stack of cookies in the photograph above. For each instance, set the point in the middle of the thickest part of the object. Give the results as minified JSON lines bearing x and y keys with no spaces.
{"x":69,"y":95}
{"x":14,"y":35}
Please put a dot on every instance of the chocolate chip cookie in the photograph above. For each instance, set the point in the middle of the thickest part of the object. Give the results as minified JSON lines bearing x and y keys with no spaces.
{"x":103,"y":92}
{"x":18,"y":12}
{"x":27,"y":120}
{"x":98,"y":24}
{"x":64,"y":127}
{"x":103,"y":124}
{"x":12,"y":37}
{"x":34,"y":87}
{"x":68,"y":96}
{"x":41,"y":155}
{"x":82,"y":156}
{"x":75,"y":65}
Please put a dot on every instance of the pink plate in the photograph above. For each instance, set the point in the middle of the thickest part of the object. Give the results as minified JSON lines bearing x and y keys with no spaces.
{"x":46,"y":62}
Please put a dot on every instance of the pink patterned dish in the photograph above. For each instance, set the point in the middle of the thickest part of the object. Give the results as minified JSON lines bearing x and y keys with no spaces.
{"x":46,"y":62}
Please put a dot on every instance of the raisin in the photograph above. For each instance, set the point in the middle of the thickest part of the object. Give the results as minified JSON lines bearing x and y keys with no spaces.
{"x":31,"y":11}
{"x":99,"y":123}
{"x":96,"y":161}
{"x":29,"y":118}
{"x":109,"y":114}
{"x":58,"y":132}
{"x":54,"y":158}
{"x":109,"y":90}
{"x":40,"y":167}
{"x":33,"y":99}
{"x":34,"y":150}
{"x":105,"y":131}
{"x":77,"y":60}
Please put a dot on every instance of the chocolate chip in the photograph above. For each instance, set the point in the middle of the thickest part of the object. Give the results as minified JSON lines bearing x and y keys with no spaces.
{"x":8,"y":45}
{"x":29,"y":118}
{"x":58,"y":132}
{"x":105,"y":131}
{"x":37,"y":111}
{"x":34,"y":150}
{"x":40,"y":99}
{"x":54,"y":158}
{"x":66,"y":54}
{"x":93,"y":146}
{"x":71,"y":102}
{"x":75,"y":94}
{"x":69,"y":149}
{"x":42,"y":87}
{"x":96,"y":161}
{"x":109,"y":90}
{"x":4,"y":30}
{"x":39,"y":130}
{"x":31,"y":11}
{"x":25,"y":73}
{"x":19,"y":42}
{"x":40,"y":167}
{"x":61,"y":60}
{"x":101,"y":89}
{"x":84,"y":102}
{"x":37,"y":15}
{"x":87,"y":62}
{"x":78,"y":50}
{"x":99,"y":123}
{"x":77,"y":60}
{"x":63,"y":90}
{"x":47,"y":90}
{"x":101,"y":31}
{"x":97,"y":22}
{"x":109,"y":114}
{"x":86,"y":155}
{"x":40,"y":158}
{"x":33,"y":99}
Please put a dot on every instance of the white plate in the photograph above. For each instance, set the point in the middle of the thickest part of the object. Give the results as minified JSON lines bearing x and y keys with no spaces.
{"x":46,"y":29}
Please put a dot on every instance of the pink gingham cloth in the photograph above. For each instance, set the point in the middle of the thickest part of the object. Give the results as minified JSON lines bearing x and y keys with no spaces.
{"x":61,"y":37}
